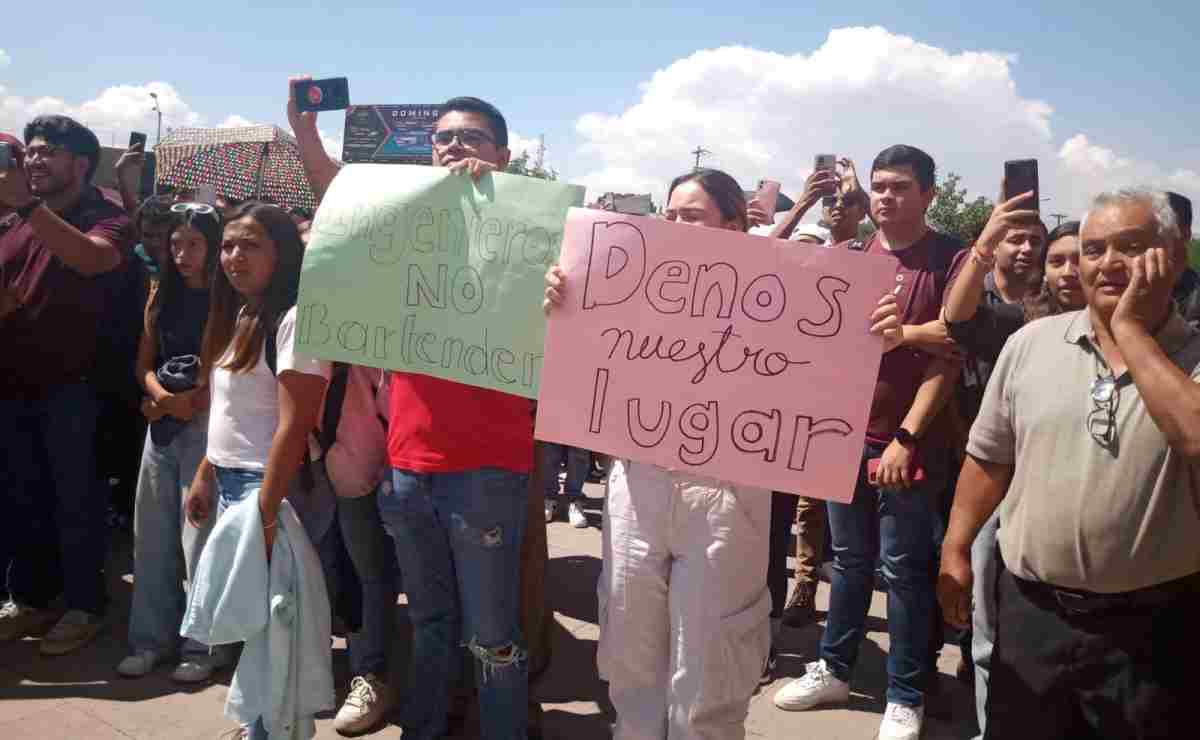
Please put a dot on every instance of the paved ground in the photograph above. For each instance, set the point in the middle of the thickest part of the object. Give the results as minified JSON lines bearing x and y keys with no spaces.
{"x":80,"y":697}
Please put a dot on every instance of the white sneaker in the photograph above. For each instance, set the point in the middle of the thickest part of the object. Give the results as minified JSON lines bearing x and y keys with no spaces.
{"x":901,"y":722}
{"x":816,"y":687}
{"x":139,"y":664}
{"x":575,"y":513}
{"x":551,"y":510}
{"x":366,"y":704}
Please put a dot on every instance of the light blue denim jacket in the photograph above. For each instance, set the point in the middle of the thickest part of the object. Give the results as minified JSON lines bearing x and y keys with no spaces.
{"x":280,"y":610}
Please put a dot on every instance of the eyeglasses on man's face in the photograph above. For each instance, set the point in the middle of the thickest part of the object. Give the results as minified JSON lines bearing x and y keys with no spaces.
{"x":471,"y":138}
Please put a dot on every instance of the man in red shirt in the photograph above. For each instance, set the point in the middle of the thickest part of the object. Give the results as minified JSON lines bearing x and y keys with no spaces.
{"x":60,"y":251}
{"x":461,"y":458}
{"x":891,"y":517}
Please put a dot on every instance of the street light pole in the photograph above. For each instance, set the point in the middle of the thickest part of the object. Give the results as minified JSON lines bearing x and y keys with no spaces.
{"x":156,"y":109}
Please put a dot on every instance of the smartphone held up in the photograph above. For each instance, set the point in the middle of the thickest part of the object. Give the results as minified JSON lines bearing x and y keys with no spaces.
{"x":136,"y":138}
{"x":318,"y":95}
{"x":1021,"y":176}
{"x":6,"y":155}
{"x":827,"y":163}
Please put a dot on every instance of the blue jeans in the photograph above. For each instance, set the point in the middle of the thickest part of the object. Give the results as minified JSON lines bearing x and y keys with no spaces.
{"x":985,"y":566}
{"x":374,"y":559}
{"x":458,"y":543}
{"x":165,"y":549}
{"x":234,"y":485}
{"x":897,"y":528}
{"x":52,"y":505}
{"x":578,"y":461}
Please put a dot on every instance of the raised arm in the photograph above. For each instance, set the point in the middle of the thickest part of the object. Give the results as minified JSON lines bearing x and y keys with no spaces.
{"x":318,"y":165}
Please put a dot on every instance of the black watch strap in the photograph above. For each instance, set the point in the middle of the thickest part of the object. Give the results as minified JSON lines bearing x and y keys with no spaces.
{"x":26,"y":210}
{"x":904,"y":437}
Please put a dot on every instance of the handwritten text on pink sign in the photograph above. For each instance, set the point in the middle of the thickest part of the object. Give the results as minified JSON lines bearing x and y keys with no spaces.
{"x":739,"y":357}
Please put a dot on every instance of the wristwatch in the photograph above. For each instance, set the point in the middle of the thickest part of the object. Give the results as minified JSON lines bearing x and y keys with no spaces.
{"x":904,"y":437}
{"x":27,"y":209}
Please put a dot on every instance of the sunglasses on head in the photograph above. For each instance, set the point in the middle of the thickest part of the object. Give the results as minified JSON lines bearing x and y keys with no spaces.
{"x":470,"y":137}
{"x":202,"y":208}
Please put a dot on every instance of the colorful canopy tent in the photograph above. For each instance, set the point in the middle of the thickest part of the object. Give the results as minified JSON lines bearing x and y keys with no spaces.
{"x":251,"y":162}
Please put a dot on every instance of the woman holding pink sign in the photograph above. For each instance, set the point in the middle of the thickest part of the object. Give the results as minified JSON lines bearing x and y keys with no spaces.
{"x":684,"y":604}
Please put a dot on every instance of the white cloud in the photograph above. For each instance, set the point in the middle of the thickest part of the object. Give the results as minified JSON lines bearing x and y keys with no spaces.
{"x":1088,"y":167}
{"x":5,"y":59}
{"x":112,"y":114}
{"x":518,"y":144}
{"x":765,"y":114}
{"x":333,"y":143}
{"x":236,"y":121}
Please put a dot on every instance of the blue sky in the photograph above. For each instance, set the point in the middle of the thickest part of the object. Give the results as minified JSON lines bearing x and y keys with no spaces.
{"x":1122,"y":75}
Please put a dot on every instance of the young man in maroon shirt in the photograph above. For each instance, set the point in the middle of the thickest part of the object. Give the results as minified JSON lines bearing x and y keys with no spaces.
{"x":59,"y":253}
{"x":891,"y":514}
{"x":461,"y":458}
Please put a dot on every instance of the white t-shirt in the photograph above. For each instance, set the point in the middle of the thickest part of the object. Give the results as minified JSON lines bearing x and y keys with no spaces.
{"x":245,"y":406}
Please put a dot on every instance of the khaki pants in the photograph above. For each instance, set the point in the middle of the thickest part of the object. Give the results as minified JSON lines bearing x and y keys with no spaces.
{"x":810,"y":541}
{"x":684,"y":631}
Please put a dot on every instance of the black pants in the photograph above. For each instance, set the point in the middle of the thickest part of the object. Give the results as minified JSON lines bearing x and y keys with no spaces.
{"x":783,"y":515}
{"x":1117,"y":673}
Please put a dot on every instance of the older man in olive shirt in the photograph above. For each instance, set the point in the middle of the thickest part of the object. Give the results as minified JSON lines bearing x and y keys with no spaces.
{"x":1089,"y":441}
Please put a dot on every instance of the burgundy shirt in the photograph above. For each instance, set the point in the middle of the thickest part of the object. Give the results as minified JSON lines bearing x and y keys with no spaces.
{"x":51,"y":339}
{"x":921,"y":272}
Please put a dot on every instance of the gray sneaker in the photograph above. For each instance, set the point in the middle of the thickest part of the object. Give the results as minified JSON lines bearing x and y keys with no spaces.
{"x":199,"y":668}
{"x":140,"y":663}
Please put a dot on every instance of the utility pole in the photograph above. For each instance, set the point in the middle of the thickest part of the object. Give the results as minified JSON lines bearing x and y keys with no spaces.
{"x":157,"y":110}
{"x":699,"y":152}
{"x":541,"y":152}
{"x":1058,"y":218}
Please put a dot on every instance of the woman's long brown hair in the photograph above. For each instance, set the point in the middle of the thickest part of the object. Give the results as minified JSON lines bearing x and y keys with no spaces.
{"x":246,"y":337}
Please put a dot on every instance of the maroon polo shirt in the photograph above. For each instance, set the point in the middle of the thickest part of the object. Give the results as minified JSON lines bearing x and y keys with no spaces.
{"x":920,"y":274}
{"x":51,"y":339}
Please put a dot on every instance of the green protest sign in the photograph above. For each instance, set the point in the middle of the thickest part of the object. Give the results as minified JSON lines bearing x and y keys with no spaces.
{"x":418,"y":269}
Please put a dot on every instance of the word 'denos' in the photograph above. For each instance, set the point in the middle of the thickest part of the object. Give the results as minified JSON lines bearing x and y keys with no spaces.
{"x":705,"y":350}
{"x":617,"y":272}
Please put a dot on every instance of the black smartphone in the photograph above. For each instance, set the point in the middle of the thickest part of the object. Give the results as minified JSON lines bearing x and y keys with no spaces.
{"x":1021,"y":176}
{"x":135,"y":138}
{"x":314,"y":95}
{"x":6,"y":156}
{"x":827,"y":162}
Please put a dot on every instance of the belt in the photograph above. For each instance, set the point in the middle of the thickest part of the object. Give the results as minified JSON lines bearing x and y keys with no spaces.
{"x":1075,"y":602}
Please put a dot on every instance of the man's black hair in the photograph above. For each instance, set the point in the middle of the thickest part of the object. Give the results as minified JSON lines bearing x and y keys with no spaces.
{"x":474,"y":105}
{"x":156,"y":209}
{"x":1182,"y":205}
{"x":69,"y":134}
{"x":1066,"y":228}
{"x":300,"y":212}
{"x":902,"y":155}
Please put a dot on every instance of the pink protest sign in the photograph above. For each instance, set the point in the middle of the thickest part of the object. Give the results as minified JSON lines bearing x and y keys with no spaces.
{"x":739,"y":357}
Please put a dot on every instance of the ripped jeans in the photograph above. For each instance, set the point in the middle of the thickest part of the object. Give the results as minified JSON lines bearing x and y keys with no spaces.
{"x":458,"y":543}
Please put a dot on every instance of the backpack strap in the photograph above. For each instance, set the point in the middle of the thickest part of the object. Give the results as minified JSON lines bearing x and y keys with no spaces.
{"x":335,"y":397}
{"x":270,"y":351}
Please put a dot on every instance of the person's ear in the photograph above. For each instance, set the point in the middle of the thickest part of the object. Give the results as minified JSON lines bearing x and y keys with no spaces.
{"x":503,"y":155}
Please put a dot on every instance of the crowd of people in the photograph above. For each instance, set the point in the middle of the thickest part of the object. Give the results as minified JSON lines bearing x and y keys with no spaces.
{"x":1029,"y":476}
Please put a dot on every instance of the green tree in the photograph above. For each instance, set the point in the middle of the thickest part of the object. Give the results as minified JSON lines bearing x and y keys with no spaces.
{"x":520,"y":165}
{"x":953,"y":214}
{"x":1194,"y":253}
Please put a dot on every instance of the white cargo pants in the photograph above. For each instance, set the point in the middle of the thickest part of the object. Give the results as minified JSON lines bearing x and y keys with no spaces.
{"x":684,"y":629}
